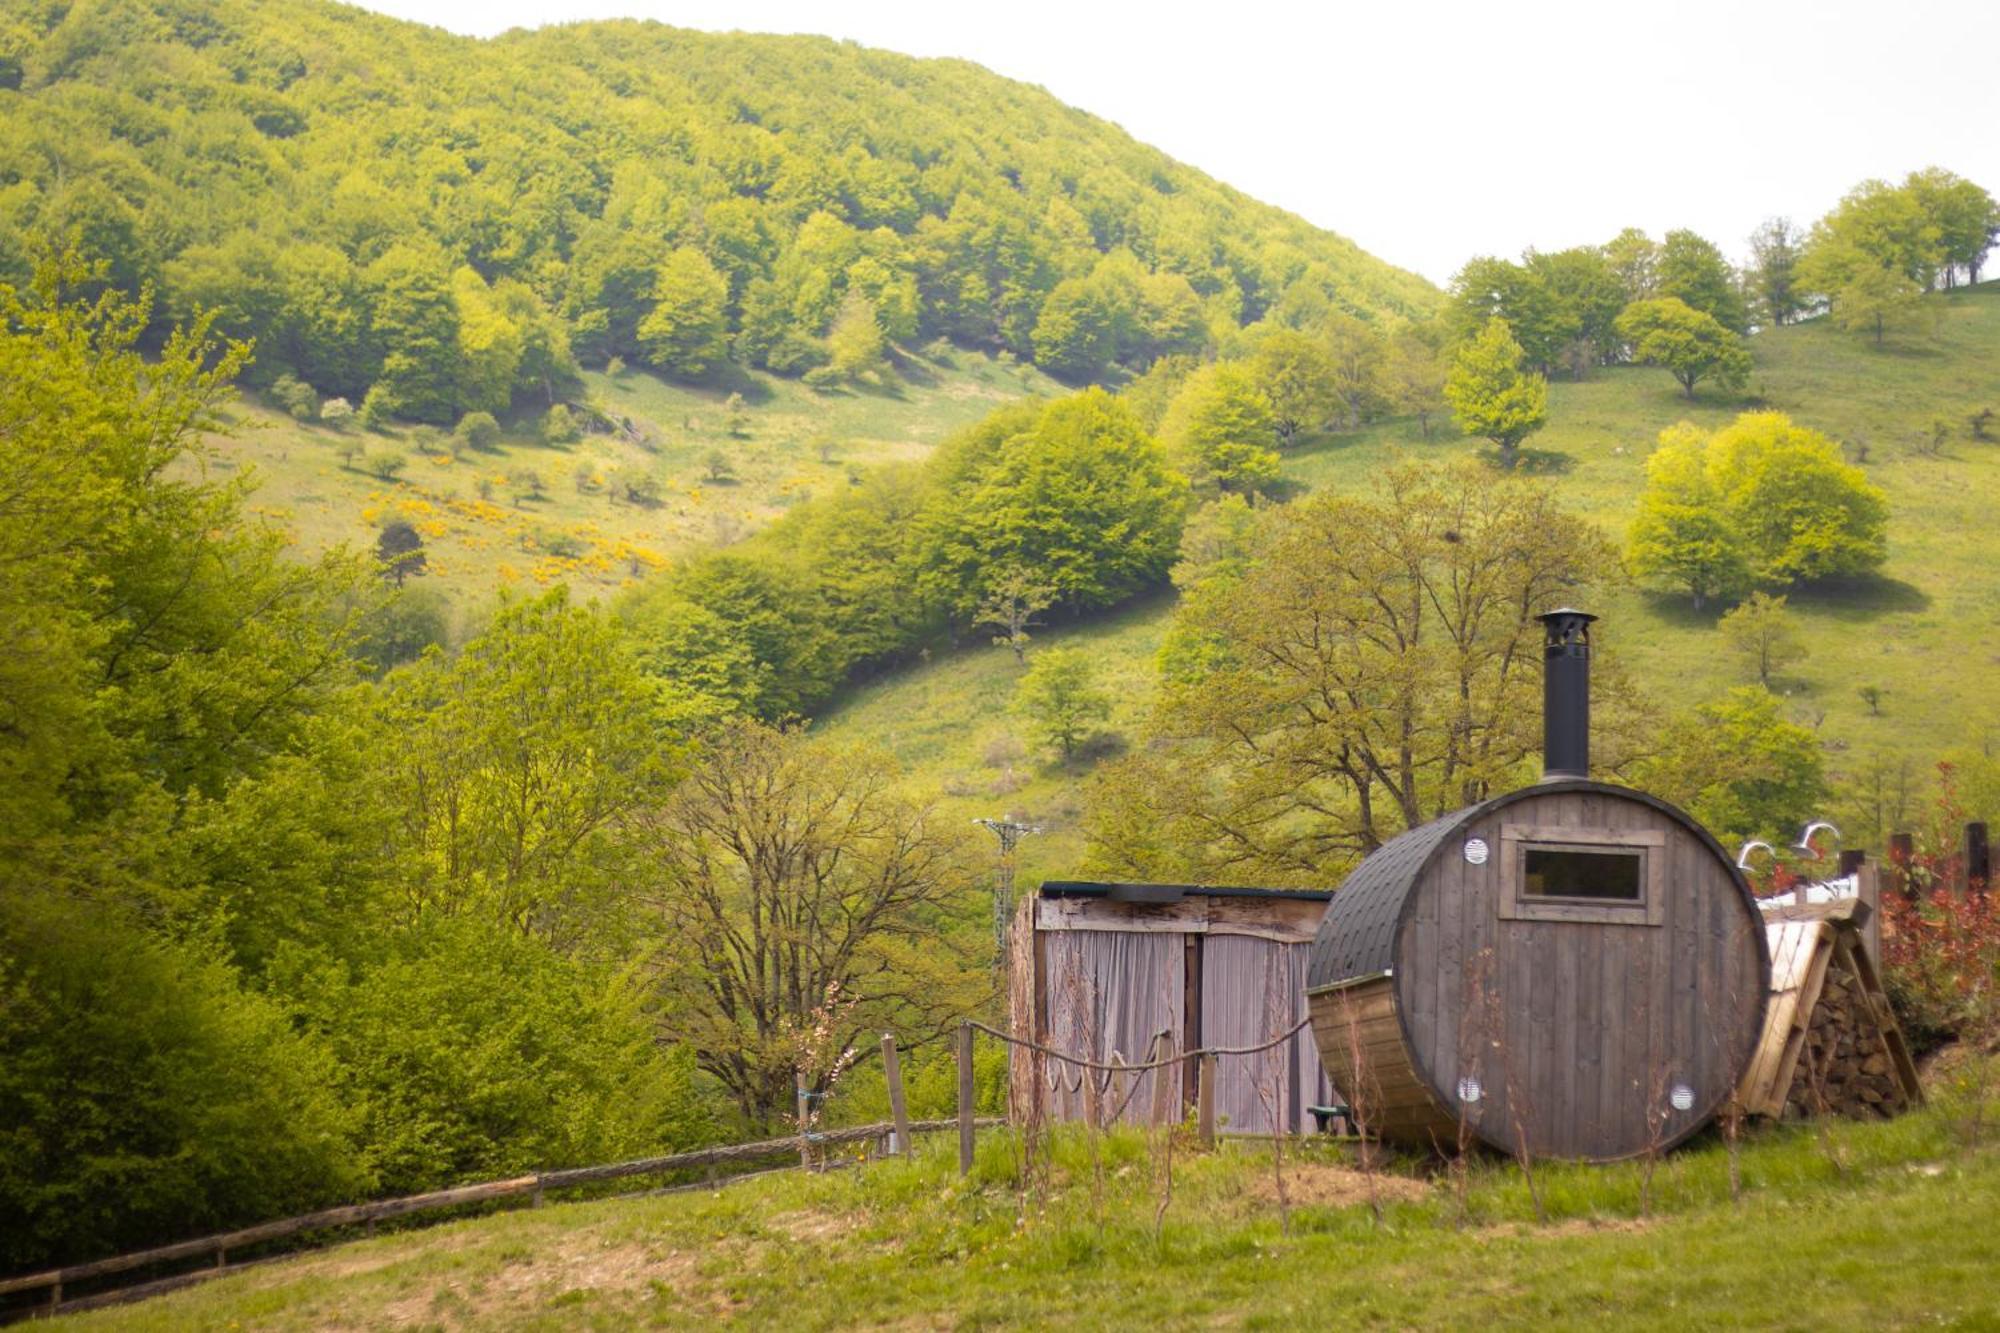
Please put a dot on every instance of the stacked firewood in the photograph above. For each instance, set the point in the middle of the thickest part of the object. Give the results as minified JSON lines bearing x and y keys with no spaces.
{"x":1845,"y":1066}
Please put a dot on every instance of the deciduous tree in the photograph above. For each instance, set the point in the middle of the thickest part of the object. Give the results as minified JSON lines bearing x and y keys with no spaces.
{"x":1759,"y":630}
{"x":1013,"y":602}
{"x":785,"y":869}
{"x":1689,"y":344}
{"x":1375,"y":665}
{"x":1492,"y":395}
{"x":1220,"y":428}
{"x":1682,"y":535}
{"x":1296,"y":374}
{"x":1804,"y":512}
{"x":1414,"y":375}
{"x":683,"y":332}
{"x":1775,"y":248}
{"x":1693,"y":270}
{"x":1061,"y":700}
{"x":1739,"y":766}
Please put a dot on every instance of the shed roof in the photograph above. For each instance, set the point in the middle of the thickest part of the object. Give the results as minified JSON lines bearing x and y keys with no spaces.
{"x":1132,"y":892}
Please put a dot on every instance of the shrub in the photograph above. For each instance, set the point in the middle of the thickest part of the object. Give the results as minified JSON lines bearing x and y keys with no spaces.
{"x":296,"y":397}
{"x":559,"y":426}
{"x":526,"y":484}
{"x":643,"y":489}
{"x":144,"y":1094}
{"x":402,"y":627}
{"x":385,"y":463}
{"x":1941,"y":952}
{"x":479,"y":430}
{"x":336,"y":411}
{"x":377,"y":406}
{"x":1941,"y":962}
{"x":475,"y":1051}
{"x":796,"y":353}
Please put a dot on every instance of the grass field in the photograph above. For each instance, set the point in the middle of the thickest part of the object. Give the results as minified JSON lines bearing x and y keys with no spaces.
{"x":480,"y":536}
{"x":1886,"y":1225}
{"x":1927,"y":633}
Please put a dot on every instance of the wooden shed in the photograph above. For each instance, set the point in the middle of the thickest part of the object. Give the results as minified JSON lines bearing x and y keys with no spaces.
{"x":1114,"y":965}
{"x":1575,"y":968}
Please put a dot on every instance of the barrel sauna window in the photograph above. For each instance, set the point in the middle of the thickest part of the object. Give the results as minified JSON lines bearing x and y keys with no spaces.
{"x":1595,"y":874}
{"x":1615,"y":877}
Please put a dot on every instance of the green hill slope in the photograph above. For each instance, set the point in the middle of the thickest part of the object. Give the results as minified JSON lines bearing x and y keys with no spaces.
{"x":1926,"y":634}
{"x":716,"y":473}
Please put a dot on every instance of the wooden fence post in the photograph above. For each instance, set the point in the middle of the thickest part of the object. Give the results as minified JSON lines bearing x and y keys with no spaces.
{"x":1902,"y":864}
{"x":1851,"y":861}
{"x":1163,"y":1078}
{"x":804,"y":1119}
{"x":966,"y":1094}
{"x":892,"y":1072}
{"x":1978,"y":857}
{"x":1868,"y":888}
{"x":1205,"y":1101}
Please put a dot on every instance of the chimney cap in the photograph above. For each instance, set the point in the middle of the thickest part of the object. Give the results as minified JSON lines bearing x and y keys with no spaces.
{"x":1565,"y":613}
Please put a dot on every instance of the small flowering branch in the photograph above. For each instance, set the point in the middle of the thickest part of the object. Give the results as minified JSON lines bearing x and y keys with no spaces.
{"x":818,"y":1060}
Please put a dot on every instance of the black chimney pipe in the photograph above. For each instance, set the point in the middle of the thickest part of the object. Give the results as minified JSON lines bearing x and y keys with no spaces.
{"x":1566,"y":694}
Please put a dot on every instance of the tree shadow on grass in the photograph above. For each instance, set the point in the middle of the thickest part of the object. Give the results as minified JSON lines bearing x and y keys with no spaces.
{"x":1533,"y":462}
{"x":1677,"y":609}
{"x":1284,"y":490}
{"x":1097,"y":749}
{"x":1860,"y":599}
{"x":913,"y":370}
{"x":733,"y":378}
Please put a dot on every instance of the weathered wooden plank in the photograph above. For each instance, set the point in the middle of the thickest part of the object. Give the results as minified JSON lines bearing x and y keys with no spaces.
{"x":1289,"y":921}
{"x":967,"y":1095}
{"x":892,"y":1075}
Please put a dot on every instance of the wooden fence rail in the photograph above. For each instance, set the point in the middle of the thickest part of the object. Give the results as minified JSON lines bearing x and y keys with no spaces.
{"x":218,"y":1246}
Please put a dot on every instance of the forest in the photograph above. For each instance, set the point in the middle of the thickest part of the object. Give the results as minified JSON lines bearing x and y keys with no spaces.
{"x":309,"y":892}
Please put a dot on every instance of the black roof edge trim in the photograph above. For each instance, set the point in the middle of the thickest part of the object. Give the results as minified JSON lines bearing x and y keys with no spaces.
{"x":1138,"y":892}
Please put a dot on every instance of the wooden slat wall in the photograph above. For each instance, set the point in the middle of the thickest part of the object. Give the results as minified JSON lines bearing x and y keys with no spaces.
{"x":1361,"y":1046}
{"x":1596,"y":1021}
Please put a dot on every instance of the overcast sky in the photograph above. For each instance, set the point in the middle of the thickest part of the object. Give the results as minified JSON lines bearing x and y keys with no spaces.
{"x":1433,"y":132}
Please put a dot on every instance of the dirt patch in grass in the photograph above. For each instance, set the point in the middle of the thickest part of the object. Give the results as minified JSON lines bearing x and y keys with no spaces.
{"x":568,"y":1269}
{"x":811,"y":1225}
{"x":1319,"y":1185}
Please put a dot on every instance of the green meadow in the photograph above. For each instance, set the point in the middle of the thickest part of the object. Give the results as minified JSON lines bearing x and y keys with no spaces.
{"x":1926,"y":633}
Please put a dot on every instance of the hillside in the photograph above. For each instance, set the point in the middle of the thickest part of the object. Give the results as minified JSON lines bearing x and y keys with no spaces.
{"x":483,"y":532}
{"x":907,"y":1244}
{"x":1924,"y":633}
{"x":386,"y":206}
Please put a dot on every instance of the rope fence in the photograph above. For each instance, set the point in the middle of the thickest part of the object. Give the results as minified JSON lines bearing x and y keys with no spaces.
{"x":1120,"y":1066}
{"x":1088,"y":1070}
{"x":810,"y":1146}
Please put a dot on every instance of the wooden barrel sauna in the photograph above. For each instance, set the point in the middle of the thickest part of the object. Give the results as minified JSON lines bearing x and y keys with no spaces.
{"x":1574,"y":968}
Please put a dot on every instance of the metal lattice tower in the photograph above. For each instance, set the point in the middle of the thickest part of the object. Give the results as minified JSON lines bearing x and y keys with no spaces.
{"x":1009,"y":832}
